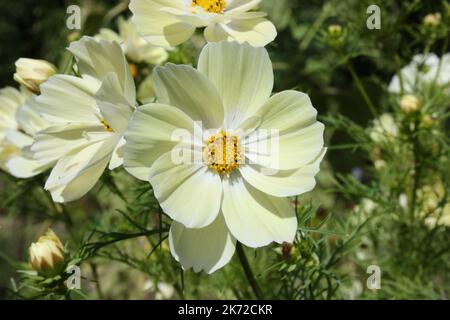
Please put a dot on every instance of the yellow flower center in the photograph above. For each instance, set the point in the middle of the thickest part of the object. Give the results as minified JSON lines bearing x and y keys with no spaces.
{"x":213,"y":6}
{"x":106,"y":125}
{"x":223,"y":153}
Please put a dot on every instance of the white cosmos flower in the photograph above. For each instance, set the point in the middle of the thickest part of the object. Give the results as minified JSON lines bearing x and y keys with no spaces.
{"x":89,"y":116}
{"x":168,"y":23}
{"x":19,"y":122}
{"x":216,"y":202}
{"x":424,"y":69}
{"x":136,"y":48}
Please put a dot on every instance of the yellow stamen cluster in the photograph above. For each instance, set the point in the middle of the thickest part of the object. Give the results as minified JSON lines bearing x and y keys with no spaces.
{"x":213,"y":6}
{"x":223,"y":153}
{"x":106,"y":125}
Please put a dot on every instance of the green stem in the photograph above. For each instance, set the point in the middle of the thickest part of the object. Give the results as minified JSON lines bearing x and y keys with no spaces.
{"x":416,"y":178}
{"x":248,"y":271}
{"x":362,"y":90}
{"x":97,"y":282}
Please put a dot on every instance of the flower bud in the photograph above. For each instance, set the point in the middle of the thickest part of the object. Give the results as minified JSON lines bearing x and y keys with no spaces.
{"x":432,"y":20}
{"x":31,"y":73}
{"x":410,"y":103}
{"x":335,"y":36}
{"x":428,"y":121}
{"x":47,"y":254}
{"x":335,"y":30}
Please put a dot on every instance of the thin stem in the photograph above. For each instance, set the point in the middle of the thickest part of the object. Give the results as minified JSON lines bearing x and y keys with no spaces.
{"x":248,"y":271}
{"x":416,"y":178}
{"x":362,"y":90}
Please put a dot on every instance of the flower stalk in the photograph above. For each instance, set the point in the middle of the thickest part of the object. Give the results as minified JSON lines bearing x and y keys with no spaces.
{"x":248,"y":271}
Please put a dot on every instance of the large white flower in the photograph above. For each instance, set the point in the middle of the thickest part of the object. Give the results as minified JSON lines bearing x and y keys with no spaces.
{"x":424,"y":69}
{"x":168,"y":23}
{"x":237,"y":184}
{"x":136,"y":48}
{"x":89,"y":116}
{"x":19,"y":122}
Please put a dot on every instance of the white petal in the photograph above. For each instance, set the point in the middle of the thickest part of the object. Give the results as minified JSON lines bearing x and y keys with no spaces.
{"x":23,"y":167}
{"x":242,"y":5}
{"x":189,"y":90}
{"x":242,"y":75}
{"x":10,"y":100}
{"x":254,"y":218}
{"x":29,"y":119}
{"x":117,"y":156}
{"x":207,"y":249}
{"x":287,"y":112}
{"x":152,"y":131}
{"x":98,"y":58}
{"x":256,"y":31}
{"x":18,"y":139}
{"x":289,"y":136}
{"x":68,"y":99}
{"x":189,"y":193}
{"x":57,"y":141}
{"x":157,"y":27}
{"x":215,"y":33}
{"x":285,"y":183}
{"x":113,"y":107}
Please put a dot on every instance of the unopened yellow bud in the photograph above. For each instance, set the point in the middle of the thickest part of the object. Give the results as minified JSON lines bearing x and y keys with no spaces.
{"x":31,"y":73}
{"x":47,"y":254}
{"x":432,"y":20}
{"x":335,"y":30}
{"x":410,"y":103}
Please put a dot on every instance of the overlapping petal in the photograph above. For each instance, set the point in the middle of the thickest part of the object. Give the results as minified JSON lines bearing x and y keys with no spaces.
{"x":283,"y":183}
{"x":152,"y":132}
{"x":157,"y":27}
{"x":90,"y":55}
{"x":289,"y":136}
{"x":256,"y":31}
{"x":189,"y":193}
{"x":186,"y":88}
{"x":67,"y":98}
{"x":78,"y":171}
{"x":242,"y":75}
{"x":255,"y":218}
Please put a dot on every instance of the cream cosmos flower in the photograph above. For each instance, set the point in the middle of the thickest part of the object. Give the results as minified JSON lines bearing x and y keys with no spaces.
{"x":89,"y":116}
{"x":424,"y":69}
{"x":136,"y":48}
{"x":19,"y":122}
{"x":168,"y":23}
{"x":257,"y":150}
